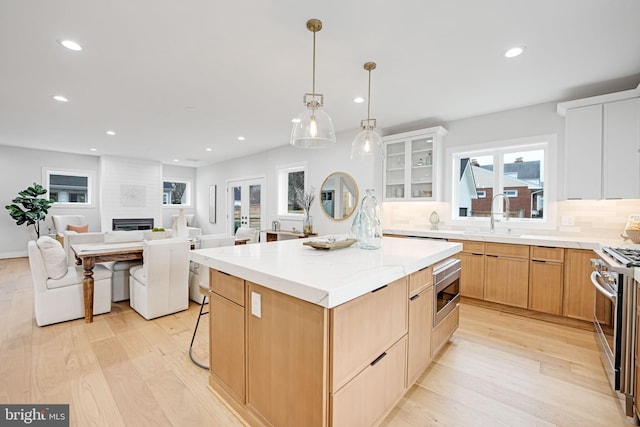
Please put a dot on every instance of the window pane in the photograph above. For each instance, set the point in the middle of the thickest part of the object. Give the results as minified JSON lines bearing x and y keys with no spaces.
{"x":237,"y":207}
{"x":475,"y":186}
{"x":523,"y":183}
{"x":69,"y":188}
{"x":254,"y":206}
{"x":295,"y":187}
{"x":175,"y":193}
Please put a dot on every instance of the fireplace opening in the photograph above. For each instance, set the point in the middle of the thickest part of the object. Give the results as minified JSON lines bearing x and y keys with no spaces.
{"x":131,"y":224}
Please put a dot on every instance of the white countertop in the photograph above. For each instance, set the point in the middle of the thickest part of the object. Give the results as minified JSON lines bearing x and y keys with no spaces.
{"x":575,"y":242}
{"x":325,"y":278}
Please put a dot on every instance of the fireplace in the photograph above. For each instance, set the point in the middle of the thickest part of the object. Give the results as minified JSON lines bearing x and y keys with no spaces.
{"x":132,"y":223}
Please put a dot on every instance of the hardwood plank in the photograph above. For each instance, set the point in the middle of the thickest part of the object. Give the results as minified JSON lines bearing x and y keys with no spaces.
{"x":504,"y":366}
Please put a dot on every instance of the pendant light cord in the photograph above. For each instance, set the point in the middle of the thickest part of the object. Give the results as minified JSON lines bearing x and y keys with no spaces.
{"x":369,"y":101}
{"x":313,"y":83}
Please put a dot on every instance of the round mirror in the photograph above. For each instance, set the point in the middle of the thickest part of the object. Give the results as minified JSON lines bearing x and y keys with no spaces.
{"x":339,"y":196}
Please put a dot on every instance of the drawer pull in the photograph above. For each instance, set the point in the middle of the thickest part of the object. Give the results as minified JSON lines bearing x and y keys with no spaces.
{"x":414,"y":297}
{"x":476,"y":254}
{"x":222,"y":272}
{"x":379,"y":358}
{"x":538,"y":260}
{"x":380,"y":288}
{"x":493,"y":256}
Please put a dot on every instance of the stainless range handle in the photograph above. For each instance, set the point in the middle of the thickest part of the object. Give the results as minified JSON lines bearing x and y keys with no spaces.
{"x":600,"y":288}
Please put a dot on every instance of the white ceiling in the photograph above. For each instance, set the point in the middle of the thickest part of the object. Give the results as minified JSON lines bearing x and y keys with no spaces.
{"x":173,"y":77}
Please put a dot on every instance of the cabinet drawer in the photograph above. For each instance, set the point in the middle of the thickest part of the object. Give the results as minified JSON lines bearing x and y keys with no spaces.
{"x":507,"y":250}
{"x":471,"y":246}
{"x":420,"y":280}
{"x":544,"y":253}
{"x":370,"y":395}
{"x":228,"y":286}
{"x":364,"y":328}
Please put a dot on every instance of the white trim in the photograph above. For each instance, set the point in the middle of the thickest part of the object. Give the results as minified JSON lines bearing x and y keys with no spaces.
{"x":282,"y":188}
{"x":91,"y":186}
{"x":600,"y":99}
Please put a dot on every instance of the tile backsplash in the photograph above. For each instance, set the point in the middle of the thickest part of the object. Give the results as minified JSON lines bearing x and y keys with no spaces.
{"x":589,"y":218}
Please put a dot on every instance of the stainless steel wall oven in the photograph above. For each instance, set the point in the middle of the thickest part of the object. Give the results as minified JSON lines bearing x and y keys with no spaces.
{"x":446,"y":284}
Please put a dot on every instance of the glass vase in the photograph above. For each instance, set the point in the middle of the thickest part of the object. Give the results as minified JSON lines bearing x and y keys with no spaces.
{"x":369,"y":225}
{"x":307,"y":225}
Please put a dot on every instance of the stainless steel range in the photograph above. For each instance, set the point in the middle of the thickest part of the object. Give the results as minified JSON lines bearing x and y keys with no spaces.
{"x":614,"y":317}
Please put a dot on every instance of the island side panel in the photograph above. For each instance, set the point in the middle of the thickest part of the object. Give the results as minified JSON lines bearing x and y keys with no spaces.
{"x":287,"y":358}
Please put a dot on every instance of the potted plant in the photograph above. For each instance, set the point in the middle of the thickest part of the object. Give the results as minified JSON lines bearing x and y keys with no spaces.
{"x":34,"y":208}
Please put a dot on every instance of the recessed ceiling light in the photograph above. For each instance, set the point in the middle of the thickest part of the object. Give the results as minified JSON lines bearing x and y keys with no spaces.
{"x":295,"y":120}
{"x":71,"y":45}
{"x":110,"y":132}
{"x":358,"y":100}
{"x":176,"y":160}
{"x":60,"y":98}
{"x":514,"y":51}
{"x":208,"y":149}
{"x":92,"y":149}
{"x":241,"y":138}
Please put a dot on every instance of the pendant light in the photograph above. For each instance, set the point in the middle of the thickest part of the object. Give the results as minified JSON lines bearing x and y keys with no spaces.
{"x":367,"y":143}
{"x":313,"y":128}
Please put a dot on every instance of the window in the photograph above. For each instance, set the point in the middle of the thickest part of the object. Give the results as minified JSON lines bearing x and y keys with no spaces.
{"x":522,"y":166}
{"x":68,"y":187}
{"x":176,"y":192}
{"x":291,"y":184}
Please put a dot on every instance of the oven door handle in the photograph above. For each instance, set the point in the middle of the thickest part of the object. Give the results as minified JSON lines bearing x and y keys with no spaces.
{"x":600,"y":288}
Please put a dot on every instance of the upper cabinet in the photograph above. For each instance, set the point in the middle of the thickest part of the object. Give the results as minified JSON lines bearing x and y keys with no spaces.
{"x":602,"y":146}
{"x":411,"y":166}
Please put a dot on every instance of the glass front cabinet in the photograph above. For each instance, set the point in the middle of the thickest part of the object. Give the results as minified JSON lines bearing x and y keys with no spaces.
{"x":412,"y":164}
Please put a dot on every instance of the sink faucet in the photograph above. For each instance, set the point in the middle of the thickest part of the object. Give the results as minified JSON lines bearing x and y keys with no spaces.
{"x":505,"y":214}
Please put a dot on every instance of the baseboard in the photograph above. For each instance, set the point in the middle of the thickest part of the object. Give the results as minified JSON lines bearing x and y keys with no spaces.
{"x":6,"y":255}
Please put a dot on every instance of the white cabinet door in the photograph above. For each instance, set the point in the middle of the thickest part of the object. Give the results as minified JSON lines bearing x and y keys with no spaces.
{"x":411,"y":165}
{"x":621,"y":160}
{"x":583,"y":154}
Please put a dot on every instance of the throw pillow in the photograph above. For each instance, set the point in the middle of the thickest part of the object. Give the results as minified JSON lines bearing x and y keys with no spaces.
{"x":78,"y":228}
{"x":55,"y":260}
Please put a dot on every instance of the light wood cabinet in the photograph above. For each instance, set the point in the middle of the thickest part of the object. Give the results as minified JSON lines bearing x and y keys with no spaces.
{"x":579,"y":293}
{"x":545,"y":279}
{"x":472,"y":268}
{"x":443,"y":331}
{"x":420,"y":325}
{"x":411,"y":165}
{"x":227,"y":345}
{"x":379,"y":385}
{"x":355,"y":342}
{"x":507,"y":274}
{"x":286,"y":363}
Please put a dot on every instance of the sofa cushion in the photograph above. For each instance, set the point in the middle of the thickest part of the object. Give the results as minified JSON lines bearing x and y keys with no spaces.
{"x":78,"y":228}
{"x":74,"y":276}
{"x":54,"y":257}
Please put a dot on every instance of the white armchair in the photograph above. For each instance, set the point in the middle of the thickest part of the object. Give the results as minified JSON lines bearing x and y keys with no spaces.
{"x":160,"y":286}
{"x":57,"y":287}
{"x":199,"y":275}
{"x":248,"y":233}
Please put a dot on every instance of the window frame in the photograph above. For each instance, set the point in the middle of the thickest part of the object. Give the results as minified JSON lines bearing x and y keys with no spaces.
{"x":498,"y":149}
{"x":282,"y":185}
{"x":188,"y":191}
{"x":90,"y":175}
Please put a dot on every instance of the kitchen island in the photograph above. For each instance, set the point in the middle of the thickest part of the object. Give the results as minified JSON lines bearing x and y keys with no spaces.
{"x":300,"y":336}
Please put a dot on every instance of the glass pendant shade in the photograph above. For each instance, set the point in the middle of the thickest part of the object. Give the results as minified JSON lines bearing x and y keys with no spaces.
{"x":366,"y":144}
{"x":313,"y":129}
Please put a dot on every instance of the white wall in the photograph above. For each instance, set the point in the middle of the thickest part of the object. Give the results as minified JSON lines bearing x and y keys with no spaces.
{"x":320,"y":164}
{"x":21,"y":167}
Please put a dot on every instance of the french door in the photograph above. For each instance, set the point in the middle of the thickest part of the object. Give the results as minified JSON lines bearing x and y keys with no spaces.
{"x":246,"y":204}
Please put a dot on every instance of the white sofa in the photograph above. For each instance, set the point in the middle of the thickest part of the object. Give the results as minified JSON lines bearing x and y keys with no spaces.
{"x":60,"y":223}
{"x":57,"y":287}
{"x":160,"y":286}
{"x":120,"y":269}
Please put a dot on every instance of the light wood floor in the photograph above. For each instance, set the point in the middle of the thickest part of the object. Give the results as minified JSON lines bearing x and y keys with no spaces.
{"x":499,"y":369}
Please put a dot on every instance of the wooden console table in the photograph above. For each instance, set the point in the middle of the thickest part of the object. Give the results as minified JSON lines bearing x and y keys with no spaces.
{"x":272,"y":235}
